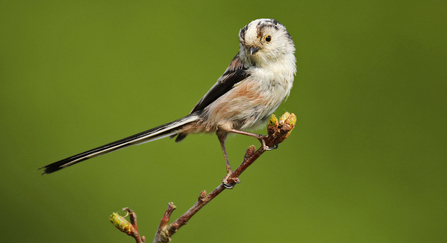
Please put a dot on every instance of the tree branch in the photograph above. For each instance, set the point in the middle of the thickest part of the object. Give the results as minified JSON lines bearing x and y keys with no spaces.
{"x":277,"y":131}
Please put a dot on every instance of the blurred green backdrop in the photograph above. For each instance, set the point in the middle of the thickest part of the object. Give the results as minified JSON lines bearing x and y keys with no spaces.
{"x":366,"y":163}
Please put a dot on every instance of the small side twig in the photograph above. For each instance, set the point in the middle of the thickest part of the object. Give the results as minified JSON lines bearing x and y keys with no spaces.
{"x":163,"y":234}
{"x":278,"y":131}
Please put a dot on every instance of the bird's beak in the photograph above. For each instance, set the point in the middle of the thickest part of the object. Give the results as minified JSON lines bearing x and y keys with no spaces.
{"x":253,"y":50}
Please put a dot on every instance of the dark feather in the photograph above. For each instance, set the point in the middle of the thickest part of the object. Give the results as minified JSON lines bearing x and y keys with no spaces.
{"x":235,"y":73}
{"x":146,"y":136}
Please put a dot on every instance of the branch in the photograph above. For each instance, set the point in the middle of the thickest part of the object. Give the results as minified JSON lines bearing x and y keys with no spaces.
{"x":277,"y":131}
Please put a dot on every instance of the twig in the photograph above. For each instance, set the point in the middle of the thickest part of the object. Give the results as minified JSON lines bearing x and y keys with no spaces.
{"x":277,"y":131}
{"x":124,"y":226}
{"x":163,"y":234}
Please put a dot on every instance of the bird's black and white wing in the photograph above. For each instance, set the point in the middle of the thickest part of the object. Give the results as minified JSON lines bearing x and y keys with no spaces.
{"x":234,"y":74}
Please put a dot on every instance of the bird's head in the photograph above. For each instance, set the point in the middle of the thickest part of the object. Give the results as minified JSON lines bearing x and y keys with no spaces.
{"x":265,"y":41}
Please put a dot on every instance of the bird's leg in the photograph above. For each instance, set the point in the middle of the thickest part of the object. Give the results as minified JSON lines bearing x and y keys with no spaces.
{"x":222,"y":137}
{"x":260,"y":137}
{"x":222,"y":145}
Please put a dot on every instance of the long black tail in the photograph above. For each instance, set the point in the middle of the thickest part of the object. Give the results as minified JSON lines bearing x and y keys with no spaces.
{"x":162,"y":131}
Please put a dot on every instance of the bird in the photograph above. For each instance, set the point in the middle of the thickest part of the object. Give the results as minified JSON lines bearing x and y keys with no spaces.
{"x":255,"y":83}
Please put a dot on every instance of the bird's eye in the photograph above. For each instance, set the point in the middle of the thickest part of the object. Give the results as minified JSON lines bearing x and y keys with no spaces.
{"x":268,"y":38}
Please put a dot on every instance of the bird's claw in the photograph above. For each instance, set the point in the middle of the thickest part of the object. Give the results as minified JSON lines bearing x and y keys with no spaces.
{"x":262,"y":139}
{"x":230,"y":185}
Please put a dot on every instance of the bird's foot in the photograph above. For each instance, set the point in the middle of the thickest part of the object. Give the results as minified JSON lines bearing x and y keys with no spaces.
{"x":229,"y":182}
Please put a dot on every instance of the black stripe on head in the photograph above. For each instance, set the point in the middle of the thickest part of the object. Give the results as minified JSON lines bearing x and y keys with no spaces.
{"x":271,"y":23}
{"x":242,"y":33}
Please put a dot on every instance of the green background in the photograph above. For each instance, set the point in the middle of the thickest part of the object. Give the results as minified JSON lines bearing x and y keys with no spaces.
{"x":366,"y":162}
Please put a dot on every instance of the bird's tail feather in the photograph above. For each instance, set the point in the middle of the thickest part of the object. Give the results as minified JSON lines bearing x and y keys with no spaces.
{"x":162,"y":131}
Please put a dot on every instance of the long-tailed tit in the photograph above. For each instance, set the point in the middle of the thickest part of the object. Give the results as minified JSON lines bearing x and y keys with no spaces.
{"x":258,"y":79}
